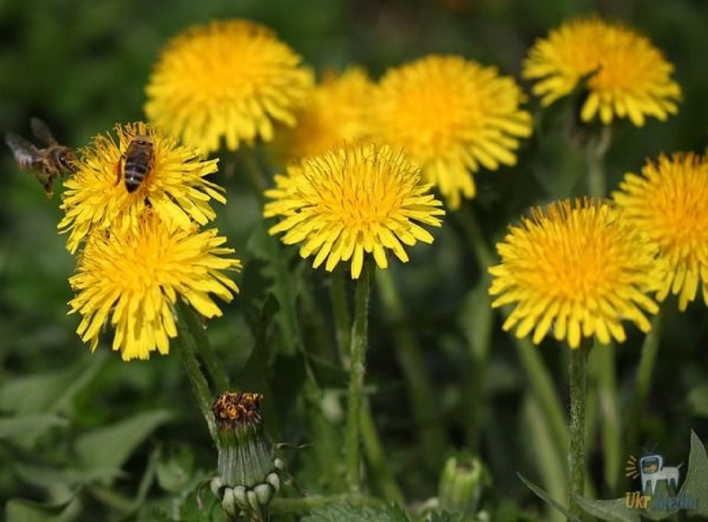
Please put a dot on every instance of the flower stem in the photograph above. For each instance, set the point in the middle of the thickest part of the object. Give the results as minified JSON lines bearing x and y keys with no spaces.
{"x":603,"y":365}
{"x":604,"y":370}
{"x":485,"y":255}
{"x":647,"y":361}
{"x":375,"y":454}
{"x":200,"y":386}
{"x":376,"y":457}
{"x":214,"y":368}
{"x":544,"y":390}
{"x":413,"y":365}
{"x":254,"y":172}
{"x":576,"y":425}
{"x":342,"y":319}
{"x":357,"y":370}
{"x":595,"y":161}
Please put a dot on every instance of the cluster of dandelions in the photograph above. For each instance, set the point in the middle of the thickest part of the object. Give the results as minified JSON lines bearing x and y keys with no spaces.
{"x":234,"y":80}
{"x":139,"y":252}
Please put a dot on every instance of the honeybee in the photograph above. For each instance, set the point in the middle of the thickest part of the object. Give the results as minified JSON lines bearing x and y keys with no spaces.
{"x":136,"y":162}
{"x":47,"y":163}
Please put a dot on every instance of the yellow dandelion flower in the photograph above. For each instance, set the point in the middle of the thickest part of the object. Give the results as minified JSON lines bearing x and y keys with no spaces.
{"x":579,"y":268}
{"x":335,"y":112}
{"x":132,"y":279}
{"x":96,"y":196}
{"x":451,"y":116}
{"x":227,"y":79}
{"x":353,"y":200}
{"x":632,"y":78}
{"x":669,"y":203}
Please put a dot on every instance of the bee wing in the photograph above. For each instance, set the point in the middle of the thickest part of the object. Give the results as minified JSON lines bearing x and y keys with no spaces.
{"x":25,"y":153}
{"x":41,"y":130}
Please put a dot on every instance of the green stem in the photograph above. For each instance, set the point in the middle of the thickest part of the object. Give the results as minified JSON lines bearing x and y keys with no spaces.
{"x":576,"y":425}
{"x":603,"y":364}
{"x":480,"y":333}
{"x":373,"y":447}
{"x":214,"y":367}
{"x":376,"y":457}
{"x":485,"y":255}
{"x":412,"y":362}
{"x":254,"y":173}
{"x":544,"y":390}
{"x":604,"y":370}
{"x":595,"y":161}
{"x":199,"y":384}
{"x":647,"y":361}
{"x":342,"y":319}
{"x":356,"y":375}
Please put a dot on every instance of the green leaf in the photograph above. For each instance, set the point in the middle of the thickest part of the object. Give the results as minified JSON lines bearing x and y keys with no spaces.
{"x":110,"y":446}
{"x":349,"y":513}
{"x":174,"y":471}
{"x":696,"y":477}
{"x":20,"y":425}
{"x":613,"y":510}
{"x":50,"y":392}
{"x":547,"y":498}
{"x":698,"y":400}
{"x":21,"y":510}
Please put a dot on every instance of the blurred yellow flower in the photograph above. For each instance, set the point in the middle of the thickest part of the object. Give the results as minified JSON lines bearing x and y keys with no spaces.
{"x":353,"y":200}
{"x":229,"y":79}
{"x":579,"y":268}
{"x":96,"y":196}
{"x":631,"y":78}
{"x":669,"y":203}
{"x":335,"y":112}
{"x":451,"y":116}
{"x":131,"y":280}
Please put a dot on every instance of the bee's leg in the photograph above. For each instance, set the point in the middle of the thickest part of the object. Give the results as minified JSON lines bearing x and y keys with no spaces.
{"x":48,"y":187}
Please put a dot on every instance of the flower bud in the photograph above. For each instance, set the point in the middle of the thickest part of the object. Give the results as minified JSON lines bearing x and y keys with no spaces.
{"x":461,"y":484}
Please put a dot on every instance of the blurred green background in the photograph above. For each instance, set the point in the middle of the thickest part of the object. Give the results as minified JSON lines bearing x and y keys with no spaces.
{"x":82,"y":66}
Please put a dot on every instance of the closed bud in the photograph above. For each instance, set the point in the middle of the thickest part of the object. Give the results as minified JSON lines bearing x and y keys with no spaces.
{"x":461,"y":484}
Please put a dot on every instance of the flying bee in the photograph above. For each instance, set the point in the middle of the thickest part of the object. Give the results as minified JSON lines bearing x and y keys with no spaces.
{"x":136,"y":162}
{"x":47,"y":163}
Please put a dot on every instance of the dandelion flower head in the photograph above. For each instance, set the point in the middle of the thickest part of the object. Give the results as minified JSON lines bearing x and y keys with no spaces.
{"x":353,"y":200}
{"x":228,"y":79}
{"x":630,"y":77}
{"x":668,"y":202}
{"x":335,"y":112}
{"x":175,"y":187}
{"x":132,"y":279}
{"x":451,"y":116}
{"x":579,"y":268}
